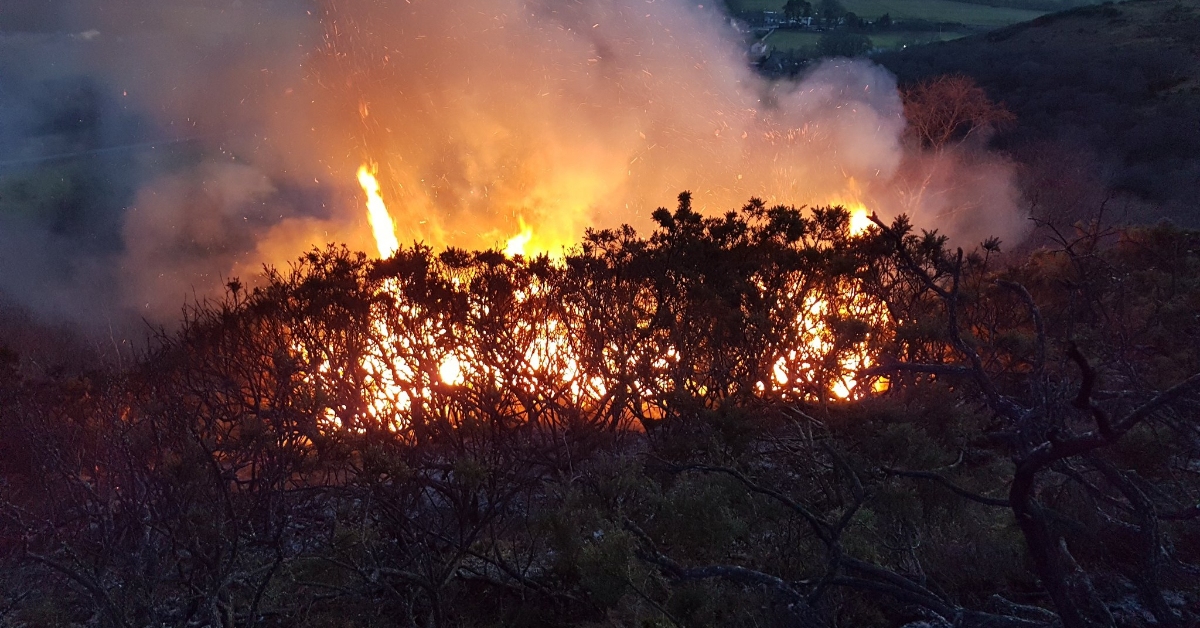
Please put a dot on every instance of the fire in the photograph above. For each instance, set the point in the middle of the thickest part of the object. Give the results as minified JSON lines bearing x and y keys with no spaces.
{"x":518,"y":243}
{"x":413,"y":360}
{"x":860,"y":220}
{"x":377,"y":213}
{"x":451,"y":371}
{"x":860,"y":216}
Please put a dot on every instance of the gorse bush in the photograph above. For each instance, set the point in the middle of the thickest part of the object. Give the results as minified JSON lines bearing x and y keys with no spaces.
{"x":647,"y":432}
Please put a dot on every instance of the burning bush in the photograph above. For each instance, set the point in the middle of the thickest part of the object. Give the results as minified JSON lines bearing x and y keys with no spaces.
{"x":760,"y":303}
{"x":683,"y":428}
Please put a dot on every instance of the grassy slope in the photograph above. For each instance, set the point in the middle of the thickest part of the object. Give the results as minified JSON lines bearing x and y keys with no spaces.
{"x":793,"y":40}
{"x":1119,"y":82}
{"x":941,"y":11}
{"x":975,"y":15}
{"x":801,"y":40}
{"x":895,"y":39}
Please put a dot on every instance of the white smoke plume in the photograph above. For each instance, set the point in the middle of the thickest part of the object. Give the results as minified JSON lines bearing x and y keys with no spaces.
{"x":485,"y":118}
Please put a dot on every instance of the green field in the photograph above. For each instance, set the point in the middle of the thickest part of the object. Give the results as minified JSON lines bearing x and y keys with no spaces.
{"x":941,"y":11}
{"x":973,"y":15}
{"x":895,"y":39}
{"x":807,"y":40}
{"x":793,"y":40}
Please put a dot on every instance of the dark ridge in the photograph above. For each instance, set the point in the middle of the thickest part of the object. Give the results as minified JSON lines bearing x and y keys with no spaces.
{"x":1117,"y":85}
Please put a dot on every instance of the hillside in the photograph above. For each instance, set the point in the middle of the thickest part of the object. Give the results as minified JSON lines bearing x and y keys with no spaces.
{"x":967,"y":13}
{"x":1106,"y":95}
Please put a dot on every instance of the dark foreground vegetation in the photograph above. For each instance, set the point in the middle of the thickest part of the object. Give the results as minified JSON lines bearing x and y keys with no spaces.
{"x":1035,"y":461}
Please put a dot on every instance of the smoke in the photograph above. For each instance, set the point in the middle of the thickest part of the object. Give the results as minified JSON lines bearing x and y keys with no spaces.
{"x":962,"y":190}
{"x":246,"y":121}
{"x":569,"y":115}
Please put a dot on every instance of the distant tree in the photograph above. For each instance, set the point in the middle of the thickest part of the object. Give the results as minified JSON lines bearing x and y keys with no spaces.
{"x":796,"y":9}
{"x":884,"y":21}
{"x":950,"y":108}
{"x":832,"y":10}
{"x":843,"y":44}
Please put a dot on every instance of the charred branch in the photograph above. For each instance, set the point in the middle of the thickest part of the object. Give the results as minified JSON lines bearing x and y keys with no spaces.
{"x":954,"y":488}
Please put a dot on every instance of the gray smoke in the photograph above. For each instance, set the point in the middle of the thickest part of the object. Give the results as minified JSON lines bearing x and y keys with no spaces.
{"x":150,"y":151}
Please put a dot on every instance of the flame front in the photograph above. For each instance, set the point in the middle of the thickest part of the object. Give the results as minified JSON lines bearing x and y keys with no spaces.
{"x":418,"y":357}
{"x":381,"y":221}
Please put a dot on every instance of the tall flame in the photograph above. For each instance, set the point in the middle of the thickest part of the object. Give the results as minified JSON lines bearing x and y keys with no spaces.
{"x":518,"y":243}
{"x":377,"y":213}
{"x":860,"y":216}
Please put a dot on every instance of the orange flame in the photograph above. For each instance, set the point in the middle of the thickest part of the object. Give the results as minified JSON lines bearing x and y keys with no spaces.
{"x":397,"y":381}
{"x":518,"y":243}
{"x":860,"y":216}
{"x":382,"y":224}
{"x":860,"y":220}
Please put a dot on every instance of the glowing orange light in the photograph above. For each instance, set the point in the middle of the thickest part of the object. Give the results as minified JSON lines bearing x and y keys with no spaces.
{"x":860,"y":220}
{"x":518,"y":243}
{"x":400,"y":379}
{"x":451,"y":371}
{"x":382,"y":224}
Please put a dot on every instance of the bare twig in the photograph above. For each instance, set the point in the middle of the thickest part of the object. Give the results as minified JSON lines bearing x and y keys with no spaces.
{"x":957,"y":490}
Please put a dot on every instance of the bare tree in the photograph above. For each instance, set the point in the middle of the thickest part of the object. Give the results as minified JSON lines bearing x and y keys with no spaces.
{"x":950,"y":108}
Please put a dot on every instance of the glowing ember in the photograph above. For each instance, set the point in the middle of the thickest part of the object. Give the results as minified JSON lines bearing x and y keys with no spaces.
{"x":377,"y":213}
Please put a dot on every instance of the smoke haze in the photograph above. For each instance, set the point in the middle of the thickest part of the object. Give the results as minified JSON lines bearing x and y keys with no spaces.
{"x":193,"y":141}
